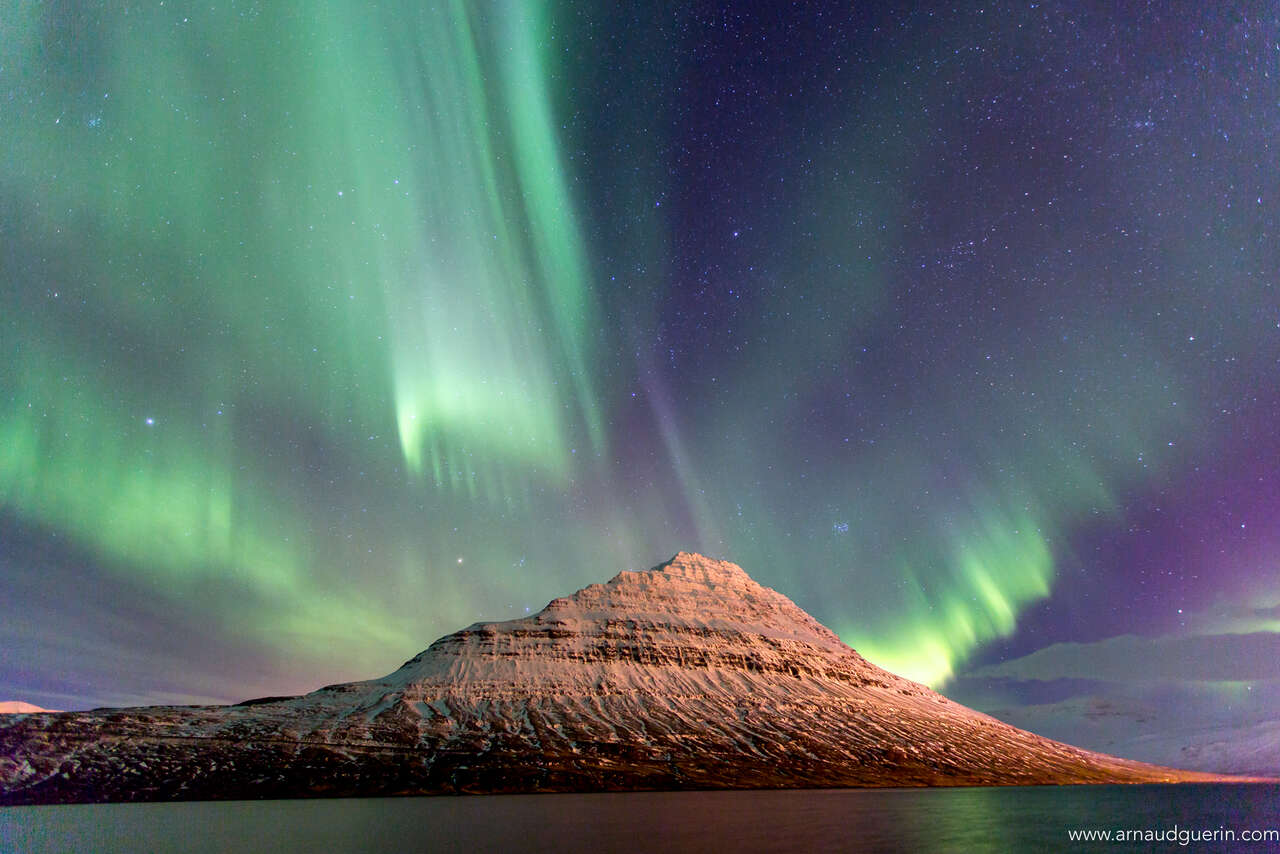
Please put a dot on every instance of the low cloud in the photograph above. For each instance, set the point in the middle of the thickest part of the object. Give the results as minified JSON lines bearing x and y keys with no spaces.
{"x":1129,"y":658}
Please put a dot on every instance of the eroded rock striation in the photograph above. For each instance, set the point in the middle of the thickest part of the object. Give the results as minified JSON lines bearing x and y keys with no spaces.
{"x":688,"y":675}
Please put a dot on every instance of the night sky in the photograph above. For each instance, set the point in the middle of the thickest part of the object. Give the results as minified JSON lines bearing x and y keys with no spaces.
{"x":329,"y":329}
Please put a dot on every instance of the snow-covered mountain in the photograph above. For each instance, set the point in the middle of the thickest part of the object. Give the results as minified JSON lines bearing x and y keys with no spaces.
{"x":18,"y":707}
{"x":688,"y":675}
{"x":1249,"y":749}
{"x":1152,"y":734}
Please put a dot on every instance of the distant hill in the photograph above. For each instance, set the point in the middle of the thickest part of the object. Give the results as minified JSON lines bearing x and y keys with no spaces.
{"x":17,"y":707}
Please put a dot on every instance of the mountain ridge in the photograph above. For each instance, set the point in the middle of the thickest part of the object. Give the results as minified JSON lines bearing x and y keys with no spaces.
{"x":686,"y":675}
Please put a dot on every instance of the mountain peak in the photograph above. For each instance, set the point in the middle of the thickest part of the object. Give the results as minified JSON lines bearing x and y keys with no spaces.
{"x":690,"y":592}
{"x":699,"y":567}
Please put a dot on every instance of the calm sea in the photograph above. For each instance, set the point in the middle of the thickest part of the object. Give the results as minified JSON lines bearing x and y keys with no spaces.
{"x":970,"y":820}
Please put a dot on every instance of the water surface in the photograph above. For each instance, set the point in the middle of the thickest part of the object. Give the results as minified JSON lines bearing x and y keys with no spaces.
{"x":975,"y":820}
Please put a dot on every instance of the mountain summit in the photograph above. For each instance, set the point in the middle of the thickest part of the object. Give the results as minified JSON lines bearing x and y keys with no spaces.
{"x":688,"y":675}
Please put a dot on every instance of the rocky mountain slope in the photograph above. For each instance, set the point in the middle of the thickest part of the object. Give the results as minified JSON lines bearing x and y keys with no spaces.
{"x":689,"y":675}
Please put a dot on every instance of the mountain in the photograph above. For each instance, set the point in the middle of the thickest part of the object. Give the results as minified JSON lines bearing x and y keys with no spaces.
{"x":1247,"y":749}
{"x":688,"y":675}
{"x":1178,"y":732}
{"x":17,"y":707}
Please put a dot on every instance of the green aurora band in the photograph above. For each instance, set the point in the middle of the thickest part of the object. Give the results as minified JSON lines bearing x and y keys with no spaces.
{"x":355,"y":265}
{"x":301,"y":313}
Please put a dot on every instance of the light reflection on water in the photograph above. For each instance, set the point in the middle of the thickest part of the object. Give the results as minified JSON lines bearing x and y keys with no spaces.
{"x":968,"y":820}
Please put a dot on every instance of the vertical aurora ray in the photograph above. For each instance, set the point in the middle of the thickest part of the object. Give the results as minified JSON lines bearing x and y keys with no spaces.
{"x":471,"y":238}
{"x":256,"y":252}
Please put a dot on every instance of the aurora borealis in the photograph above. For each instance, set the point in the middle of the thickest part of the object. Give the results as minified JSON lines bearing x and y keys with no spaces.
{"x":329,"y":331}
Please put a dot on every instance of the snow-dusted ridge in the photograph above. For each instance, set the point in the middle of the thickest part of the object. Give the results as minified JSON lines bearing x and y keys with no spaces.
{"x":20,"y":707}
{"x":688,"y":675}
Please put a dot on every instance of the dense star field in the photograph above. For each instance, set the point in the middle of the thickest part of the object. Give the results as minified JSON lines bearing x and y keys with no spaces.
{"x":330,"y":330}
